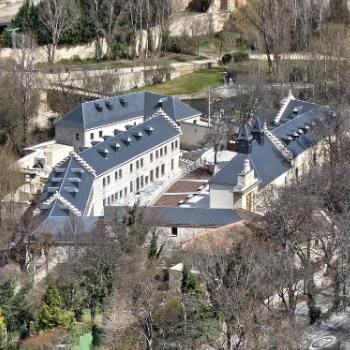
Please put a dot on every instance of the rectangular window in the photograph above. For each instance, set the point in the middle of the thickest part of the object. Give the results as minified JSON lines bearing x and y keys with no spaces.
{"x":166,"y":149}
{"x":163,"y":169}
{"x":157,"y":172}
{"x":92,"y":136}
{"x":131,"y":168}
{"x":77,"y":136}
{"x":146,"y":180}
{"x":104,"y":182}
{"x":116,"y":176}
{"x":116,"y":196}
{"x":151,"y":157}
{"x":141,"y":162}
{"x":161,"y":152}
{"x":172,"y":146}
{"x":104,"y":202}
{"x":131,"y":187}
{"x":151,"y":176}
{"x":137,"y":164}
{"x":172,"y":164}
{"x":120,"y":194}
{"x":157,"y":154}
{"x":125,"y":191}
{"x":137,"y":184}
{"x":109,"y":200}
{"x":120,"y":173}
{"x":174,"y":231}
{"x":108,"y":180}
{"x":141,"y":181}
{"x":112,"y":198}
{"x":100,"y":133}
{"x":176,"y":144}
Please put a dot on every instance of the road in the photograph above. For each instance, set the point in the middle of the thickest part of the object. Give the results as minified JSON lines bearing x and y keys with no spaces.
{"x":334,"y":334}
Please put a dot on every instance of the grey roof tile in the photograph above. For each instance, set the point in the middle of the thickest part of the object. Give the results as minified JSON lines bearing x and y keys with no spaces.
{"x":265,"y":158}
{"x":121,"y":108}
{"x":177,"y":216}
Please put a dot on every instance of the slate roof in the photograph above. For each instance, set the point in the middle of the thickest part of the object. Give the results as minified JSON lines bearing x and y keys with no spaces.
{"x":121,"y":108}
{"x":64,"y":228}
{"x":72,"y":181}
{"x":131,"y":143}
{"x":177,"y":216}
{"x":266,"y":159}
{"x":299,"y":117}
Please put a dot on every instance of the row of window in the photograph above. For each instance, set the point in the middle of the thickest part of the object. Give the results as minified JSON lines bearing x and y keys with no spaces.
{"x":100,"y":134}
{"x":140,"y":163}
{"x":140,"y":182}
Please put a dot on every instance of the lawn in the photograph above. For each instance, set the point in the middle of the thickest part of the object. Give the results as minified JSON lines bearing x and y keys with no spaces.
{"x":85,"y":342}
{"x":190,"y":83}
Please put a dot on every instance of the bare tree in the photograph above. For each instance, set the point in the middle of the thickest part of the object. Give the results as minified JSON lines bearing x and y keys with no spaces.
{"x":58,"y":17}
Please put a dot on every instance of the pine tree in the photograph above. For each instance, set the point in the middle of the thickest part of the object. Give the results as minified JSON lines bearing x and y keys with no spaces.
{"x":2,"y":329}
{"x":51,"y":314}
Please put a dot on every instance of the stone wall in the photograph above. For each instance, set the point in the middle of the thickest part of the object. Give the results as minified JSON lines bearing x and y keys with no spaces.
{"x":193,"y":134}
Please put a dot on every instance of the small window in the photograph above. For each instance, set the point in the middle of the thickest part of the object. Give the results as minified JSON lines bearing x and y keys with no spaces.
{"x":112,"y":198}
{"x":131,"y":167}
{"x":176,"y":144}
{"x":172,"y":146}
{"x":165,"y":149}
{"x":174,"y":231}
{"x":146,"y":180}
{"x":120,"y":173}
{"x":116,"y":196}
{"x":100,"y":133}
{"x":120,"y":194}
{"x":116,"y":176}
{"x":151,"y":157}
{"x":195,"y":121}
{"x":108,"y":180}
{"x":104,"y":202}
{"x":141,"y":162}
{"x":151,"y":176}
{"x":137,"y":164}
{"x":163,"y":169}
{"x":77,"y":136}
{"x":109,"y":200}
{"x":92,"y":136}
{"x":172,"y":164}
{"x":104,"y":182}
{"x":161,"y":152}
{"x":125,"y":191}
{"x":157,"y":172}
{"x":131,"y":187}
{"x":157,"y":154}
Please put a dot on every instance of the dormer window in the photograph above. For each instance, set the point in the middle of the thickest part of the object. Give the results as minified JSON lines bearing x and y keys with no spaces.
{"x":109,"y":105}
{"x":98,"y":107}
{"x":123,"y":101}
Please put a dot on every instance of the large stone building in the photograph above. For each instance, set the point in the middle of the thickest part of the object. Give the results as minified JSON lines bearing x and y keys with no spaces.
{"x":113,"y":171}
{"x":270,"y":155}
{"x":94,"y":121}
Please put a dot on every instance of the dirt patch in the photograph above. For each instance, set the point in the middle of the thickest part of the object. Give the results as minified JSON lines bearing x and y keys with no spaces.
{"x":205,"y":172}
{"x":185,"y":186}
{"x":170,"y":201}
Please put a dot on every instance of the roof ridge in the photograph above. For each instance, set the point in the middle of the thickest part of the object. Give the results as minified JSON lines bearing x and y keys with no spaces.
{"x":83,"y":163}
{"x":284,"y":104}
{"x":278,"y":144}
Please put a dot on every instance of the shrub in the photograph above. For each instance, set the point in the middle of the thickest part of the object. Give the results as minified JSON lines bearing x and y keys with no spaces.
{"x":183,"y":44}
{"x":240,"y":56}
{"x":227,"y":58}
{"x":2,"y":329}
{"x":77,"y":59}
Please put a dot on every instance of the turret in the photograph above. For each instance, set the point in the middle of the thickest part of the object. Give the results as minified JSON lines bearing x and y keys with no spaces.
{"x":257,"y":131}
{"x":245,"y":140}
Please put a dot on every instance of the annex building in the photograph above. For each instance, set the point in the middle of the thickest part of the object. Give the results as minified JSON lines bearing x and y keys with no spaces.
{"x":270,"y":155}
{"x":94,"y":121}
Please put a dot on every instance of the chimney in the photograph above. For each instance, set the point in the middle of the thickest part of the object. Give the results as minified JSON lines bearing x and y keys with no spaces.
{"x":257,"y":131}
{"x":245,"y":140}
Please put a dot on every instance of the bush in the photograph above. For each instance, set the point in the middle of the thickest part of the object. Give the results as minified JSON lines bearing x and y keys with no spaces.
{"x":183,"y":44}
{"x":77,"y":59}
{"x":237,"y":57}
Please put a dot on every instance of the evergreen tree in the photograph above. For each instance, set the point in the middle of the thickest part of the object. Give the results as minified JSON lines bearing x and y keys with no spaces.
{"x":51,"y":314}
{"x":190,"y":284}
{"x":154,"y":251}
{"x":2,"y":329}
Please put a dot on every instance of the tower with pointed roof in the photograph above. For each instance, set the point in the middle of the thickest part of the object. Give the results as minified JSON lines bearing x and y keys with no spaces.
{"x":257,"y":131}
{"x":245,"y":140}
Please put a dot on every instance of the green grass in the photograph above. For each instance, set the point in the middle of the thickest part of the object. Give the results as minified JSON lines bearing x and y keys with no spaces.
{"x":190,"y":83}
{"x":85,"y":342}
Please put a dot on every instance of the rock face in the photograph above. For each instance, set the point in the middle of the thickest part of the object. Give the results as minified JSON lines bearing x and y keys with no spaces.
{"x":216,"y":5}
